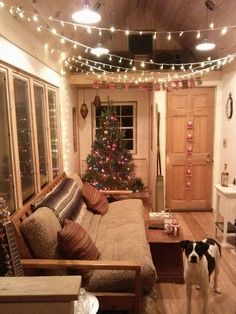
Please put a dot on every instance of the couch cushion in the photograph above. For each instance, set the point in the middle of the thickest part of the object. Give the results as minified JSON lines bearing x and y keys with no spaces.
{"x":121,"y":236}
{"x":75,"y":243}
{"x":40,"y":231}
{"x":94,"y":199}
{"x":65,"y":200}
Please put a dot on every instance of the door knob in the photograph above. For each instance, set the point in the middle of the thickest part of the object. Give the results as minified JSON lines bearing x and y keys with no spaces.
{"x":208,"y":159}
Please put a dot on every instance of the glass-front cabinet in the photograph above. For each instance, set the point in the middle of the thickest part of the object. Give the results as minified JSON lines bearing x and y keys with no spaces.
{"x":6,"y":172}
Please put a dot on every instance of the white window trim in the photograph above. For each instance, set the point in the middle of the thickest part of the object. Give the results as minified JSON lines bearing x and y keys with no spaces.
{"x":119,"y":103}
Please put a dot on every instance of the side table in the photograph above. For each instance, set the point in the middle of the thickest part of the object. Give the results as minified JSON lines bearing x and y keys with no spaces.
{"x":225,"y":207}
{"x":166,"y":254}
{"x":39,"y":295}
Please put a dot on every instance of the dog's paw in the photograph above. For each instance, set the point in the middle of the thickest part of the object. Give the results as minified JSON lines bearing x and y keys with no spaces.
{"x":217,"y":290}
{"x":198,"y":287}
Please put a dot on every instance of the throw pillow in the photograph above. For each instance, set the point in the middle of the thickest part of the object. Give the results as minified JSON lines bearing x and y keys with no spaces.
{"x":64,"y":200}
{"x":75,"y":243}
{"x":94,"y":199}
{"x":40,"y":231}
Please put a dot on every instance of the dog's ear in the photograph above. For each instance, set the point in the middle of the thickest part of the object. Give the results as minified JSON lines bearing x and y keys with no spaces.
{"x":183,"y":244}
{"x":204,"y":246}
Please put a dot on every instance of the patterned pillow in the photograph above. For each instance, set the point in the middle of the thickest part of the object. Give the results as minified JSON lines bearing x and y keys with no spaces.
{"x":40,"y":231}
{"x":75,"y":243}
{"x":65,"y":200}
{"x":94,"y":199}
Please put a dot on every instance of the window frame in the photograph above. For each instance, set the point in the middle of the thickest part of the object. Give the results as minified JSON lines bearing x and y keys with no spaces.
{"x":134,"y":127}
{"x":10,"y":74}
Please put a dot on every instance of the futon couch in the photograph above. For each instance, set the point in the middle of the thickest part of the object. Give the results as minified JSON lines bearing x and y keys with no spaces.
{"x":73,"y":221}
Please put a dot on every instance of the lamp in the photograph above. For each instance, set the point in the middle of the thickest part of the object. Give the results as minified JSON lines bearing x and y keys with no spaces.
{"x":206,"y":45}
{"x":86,"y":15}
{"x":99,"y":50}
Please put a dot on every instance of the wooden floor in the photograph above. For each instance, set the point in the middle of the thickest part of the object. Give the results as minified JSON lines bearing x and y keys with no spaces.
{"x":170,"y":298}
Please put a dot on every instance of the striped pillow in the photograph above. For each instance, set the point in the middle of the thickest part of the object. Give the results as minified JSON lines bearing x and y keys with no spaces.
{"x":75,"y":243}
{"x":65,"y":200}
{"x":94,"y":199}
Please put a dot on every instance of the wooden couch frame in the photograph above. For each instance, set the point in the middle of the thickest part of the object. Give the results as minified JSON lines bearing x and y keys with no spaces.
{"x":122,"y":301}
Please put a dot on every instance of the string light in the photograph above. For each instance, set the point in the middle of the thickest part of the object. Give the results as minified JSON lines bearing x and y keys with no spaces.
{"x":29,"y":16}
{"x":224,"y":31}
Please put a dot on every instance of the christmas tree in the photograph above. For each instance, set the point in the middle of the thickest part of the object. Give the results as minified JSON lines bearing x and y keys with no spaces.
{"x":110,"y":165}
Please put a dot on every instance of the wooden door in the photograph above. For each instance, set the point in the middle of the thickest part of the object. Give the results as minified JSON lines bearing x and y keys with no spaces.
{"x":190,"y":117}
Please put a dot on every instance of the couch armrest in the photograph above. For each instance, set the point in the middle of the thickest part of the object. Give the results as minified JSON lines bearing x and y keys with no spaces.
{"x":80,"y":264}
{"x":116,"y":192}
{"x":92,"y":264}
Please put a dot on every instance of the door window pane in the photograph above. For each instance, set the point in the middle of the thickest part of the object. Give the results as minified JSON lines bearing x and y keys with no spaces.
{"x":41,"y":134}
{"x":6,"y":178}
{"x":53,"y":131}
{"x":24,"y":138}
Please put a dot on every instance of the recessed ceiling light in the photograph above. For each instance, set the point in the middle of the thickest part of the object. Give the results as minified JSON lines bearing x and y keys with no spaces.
{"x":86,"y":16}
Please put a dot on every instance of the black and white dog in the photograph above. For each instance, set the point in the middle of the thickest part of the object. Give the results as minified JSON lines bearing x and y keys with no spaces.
{"x":202,"y":259}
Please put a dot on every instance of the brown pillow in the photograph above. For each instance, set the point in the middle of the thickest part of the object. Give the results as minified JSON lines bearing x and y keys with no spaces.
{"x":75,"y":243}
{"x":94,"y":199}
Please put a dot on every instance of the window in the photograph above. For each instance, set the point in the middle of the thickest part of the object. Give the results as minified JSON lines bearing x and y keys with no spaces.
{"x":53,"y":117}
{"x":30,"y":145}
{"x":24,"y":137}
{"x":6,"y":175}
{"x":126,"y":113}
{"x":41,"y":134}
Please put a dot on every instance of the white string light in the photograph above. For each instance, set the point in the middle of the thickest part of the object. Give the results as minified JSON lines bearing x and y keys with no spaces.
{"x":89,"y":28}
{"x":197,"y":67}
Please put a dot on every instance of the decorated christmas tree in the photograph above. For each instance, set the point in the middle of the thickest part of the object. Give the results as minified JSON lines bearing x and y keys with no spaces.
{"x":110,"y":165}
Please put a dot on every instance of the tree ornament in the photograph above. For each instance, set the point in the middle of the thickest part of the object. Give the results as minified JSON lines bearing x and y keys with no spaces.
{"x":106,"y":132}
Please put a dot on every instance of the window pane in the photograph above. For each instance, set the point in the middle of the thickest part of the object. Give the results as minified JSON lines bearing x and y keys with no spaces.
{"x":127,"y":121}
{"x":53,"y":131}
{"x":128,"y":144}
{"x":128,"y":133}
{"x":41,"y":134}
{"x":127,"y":110}
{"x":24,"y":138}
{"x":6,"y":181}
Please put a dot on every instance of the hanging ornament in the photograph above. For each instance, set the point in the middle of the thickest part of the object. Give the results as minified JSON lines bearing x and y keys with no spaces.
{"x":84,"y":109}
{"x":97,"y":101}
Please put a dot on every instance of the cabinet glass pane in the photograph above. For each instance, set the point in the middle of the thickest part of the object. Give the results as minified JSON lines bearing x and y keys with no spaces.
{"x":6,"y":179}
{"x":53,"y":131}
{"x":24,"y":138}
{"x":41,"y":134}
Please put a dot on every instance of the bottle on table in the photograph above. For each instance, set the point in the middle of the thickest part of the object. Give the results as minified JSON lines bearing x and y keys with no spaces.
{"x":224,"y":176}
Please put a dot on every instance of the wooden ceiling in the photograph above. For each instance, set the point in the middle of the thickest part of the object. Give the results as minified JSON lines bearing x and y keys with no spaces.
{"x":139,"y":15}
